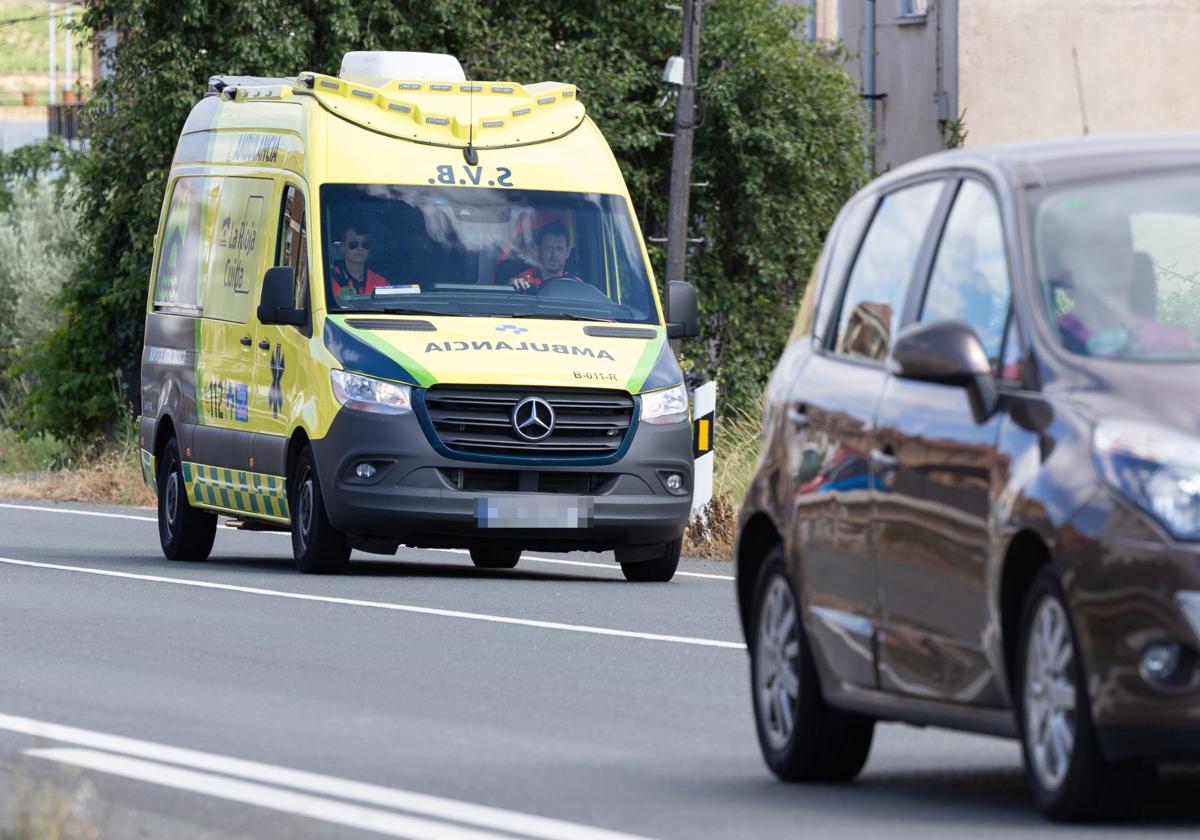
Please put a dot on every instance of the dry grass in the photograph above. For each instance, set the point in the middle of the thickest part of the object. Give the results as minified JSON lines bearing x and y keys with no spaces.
{"x":48,"y":809}
{"x":710,"y":535}
{"x":112,"y":475}
{"x":736,"y":441}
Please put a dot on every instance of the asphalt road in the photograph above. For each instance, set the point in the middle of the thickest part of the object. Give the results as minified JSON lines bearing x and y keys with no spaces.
{"x":418,"y":697}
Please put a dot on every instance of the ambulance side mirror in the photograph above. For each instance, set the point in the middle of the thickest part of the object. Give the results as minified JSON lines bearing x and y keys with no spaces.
{"x":277,"y":303}
{"x":683,"y":309}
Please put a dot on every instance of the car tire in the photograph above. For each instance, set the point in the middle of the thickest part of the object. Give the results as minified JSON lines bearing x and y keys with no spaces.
{"x":317,"y":547}
{"x":495,"y":558}
{"x":658,"y":569}
{"x":186,"y":533}
{"x":802,"y":738}
{"x":1070,"y":778}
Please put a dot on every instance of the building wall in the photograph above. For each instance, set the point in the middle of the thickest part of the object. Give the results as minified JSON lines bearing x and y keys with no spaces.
{"x":915,"y":59}
{"x":1139,"y":63}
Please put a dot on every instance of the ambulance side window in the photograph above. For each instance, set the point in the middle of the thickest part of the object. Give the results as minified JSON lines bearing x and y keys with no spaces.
{"x":183,"y":250}
{"x":293,"y":241}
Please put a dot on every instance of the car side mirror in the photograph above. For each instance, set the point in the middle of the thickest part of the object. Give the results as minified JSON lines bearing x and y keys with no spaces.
{"x":948,"y":353}
{"x":277,"y":301}
{"x":683,"y":309}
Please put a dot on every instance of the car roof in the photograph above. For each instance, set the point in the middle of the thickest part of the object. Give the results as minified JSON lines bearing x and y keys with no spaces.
{"x":1048,"y":162}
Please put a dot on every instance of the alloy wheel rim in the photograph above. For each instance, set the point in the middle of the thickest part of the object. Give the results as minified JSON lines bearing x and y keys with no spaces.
{"x":304,"y":508}
{"x":777,"y":671}
{"x":171,"y":503}
{"x":1050,"y":720}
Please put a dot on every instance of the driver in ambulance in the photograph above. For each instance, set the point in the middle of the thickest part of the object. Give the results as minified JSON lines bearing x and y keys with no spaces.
{"x":554,"y":246}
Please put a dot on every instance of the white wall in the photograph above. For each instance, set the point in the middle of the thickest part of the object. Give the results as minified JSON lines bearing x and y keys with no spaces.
{"x":1139,"y":61}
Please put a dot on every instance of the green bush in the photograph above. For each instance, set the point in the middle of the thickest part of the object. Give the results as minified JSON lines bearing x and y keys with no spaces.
{"x":780,"y":146}
{"x":39,"y":232}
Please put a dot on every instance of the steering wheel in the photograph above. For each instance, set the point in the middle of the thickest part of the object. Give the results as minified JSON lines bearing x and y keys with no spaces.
{"x":570,"y":288}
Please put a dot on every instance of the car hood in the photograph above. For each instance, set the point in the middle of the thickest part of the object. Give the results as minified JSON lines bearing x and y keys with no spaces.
{"x":1158,"y":392}
{"x":492,"y":351}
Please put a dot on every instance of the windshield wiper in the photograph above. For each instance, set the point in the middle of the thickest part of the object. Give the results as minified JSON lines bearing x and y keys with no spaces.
{"x":551,"y":316}
{"x":399,"y":310}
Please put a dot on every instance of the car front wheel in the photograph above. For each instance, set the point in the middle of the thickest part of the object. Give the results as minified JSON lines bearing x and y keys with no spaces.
{"x":802,"y":738}
{"x":185,"y":532}
{"x":317,"y":547}
{"x":1065,"y":768}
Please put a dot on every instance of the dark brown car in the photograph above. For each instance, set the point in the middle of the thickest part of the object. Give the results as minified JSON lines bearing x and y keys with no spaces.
{"x":978,"y":500}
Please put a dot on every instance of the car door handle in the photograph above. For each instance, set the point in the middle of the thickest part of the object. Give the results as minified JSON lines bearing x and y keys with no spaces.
{"x":246,"y":340}
{"x":884,"y":459}
{"x":798,"y":418}
{"x":264,"y":345}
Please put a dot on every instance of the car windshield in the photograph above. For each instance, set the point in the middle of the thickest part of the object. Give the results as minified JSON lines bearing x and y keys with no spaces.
{"x":443,"y":250}
{"x":1119,"y":264}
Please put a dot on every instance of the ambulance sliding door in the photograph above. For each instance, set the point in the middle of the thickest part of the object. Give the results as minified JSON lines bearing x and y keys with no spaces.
{"x":282,"y":351}
{"x":235,"y":212}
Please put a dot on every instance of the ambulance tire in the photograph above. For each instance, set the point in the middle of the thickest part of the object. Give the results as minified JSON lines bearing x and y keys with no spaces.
{"x":495,"y":558}
{"x":186,"y":533}
{"x":317,"y":547}
{"x":659,"y":569}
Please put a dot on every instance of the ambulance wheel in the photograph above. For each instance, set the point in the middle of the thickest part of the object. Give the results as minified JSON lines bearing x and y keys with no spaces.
{"x":186,"y":533}
{"x":658,"y":569}
{"x":495,"y":558}
{"x":318,"y":547}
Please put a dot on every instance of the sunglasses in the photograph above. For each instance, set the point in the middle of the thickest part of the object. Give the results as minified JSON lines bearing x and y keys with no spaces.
{"x":354,"y":244}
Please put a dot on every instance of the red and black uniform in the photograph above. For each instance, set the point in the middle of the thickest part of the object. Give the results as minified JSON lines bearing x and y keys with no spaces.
{"x":344,"y":282}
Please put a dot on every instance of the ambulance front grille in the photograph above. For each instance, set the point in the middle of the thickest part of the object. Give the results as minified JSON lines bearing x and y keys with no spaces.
{"x":478,"y":420}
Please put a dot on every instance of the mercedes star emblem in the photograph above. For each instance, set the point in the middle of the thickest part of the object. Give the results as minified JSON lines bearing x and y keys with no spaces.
{"x":533,"y":418}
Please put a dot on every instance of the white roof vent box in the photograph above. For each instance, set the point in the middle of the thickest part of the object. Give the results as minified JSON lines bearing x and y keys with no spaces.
{"x":375,"y":67}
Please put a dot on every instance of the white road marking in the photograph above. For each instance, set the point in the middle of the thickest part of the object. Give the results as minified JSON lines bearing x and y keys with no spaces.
{"x":101,"y":514}
{"x":483,"y":816}
{"x":383,"y":605}
{"x":262,"y":796}
{"x":609,"y":567}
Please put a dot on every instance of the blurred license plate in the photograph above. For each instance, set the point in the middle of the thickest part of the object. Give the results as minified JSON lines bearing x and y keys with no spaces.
{"x":516,"y":512}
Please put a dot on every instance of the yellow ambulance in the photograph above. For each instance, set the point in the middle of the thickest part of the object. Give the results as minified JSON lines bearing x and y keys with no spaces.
{"x":400,"y":307}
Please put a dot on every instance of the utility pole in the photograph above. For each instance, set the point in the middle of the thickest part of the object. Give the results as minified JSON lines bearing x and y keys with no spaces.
{"x":681,"y":155}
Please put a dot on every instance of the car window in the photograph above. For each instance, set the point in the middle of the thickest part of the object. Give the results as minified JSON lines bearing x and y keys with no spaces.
{"x":293,"y":242}
{"x":186,"y":242}
{"x":880,"y":278}
{"x":848,"y":233}
{"x":970,"y":272}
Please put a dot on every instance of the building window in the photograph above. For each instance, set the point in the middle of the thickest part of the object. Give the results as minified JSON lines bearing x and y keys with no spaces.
{"x":911,"y":8}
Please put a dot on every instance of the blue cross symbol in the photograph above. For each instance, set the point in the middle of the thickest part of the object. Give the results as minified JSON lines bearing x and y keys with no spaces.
{"x":275,"y":395}
{"x":512,"y":328}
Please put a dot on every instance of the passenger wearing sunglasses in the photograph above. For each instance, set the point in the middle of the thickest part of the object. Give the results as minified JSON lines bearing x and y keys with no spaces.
{"x":350,"y":275}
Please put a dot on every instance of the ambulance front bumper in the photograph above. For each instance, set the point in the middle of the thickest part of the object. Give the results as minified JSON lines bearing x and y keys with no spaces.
{"x":420,"y":497}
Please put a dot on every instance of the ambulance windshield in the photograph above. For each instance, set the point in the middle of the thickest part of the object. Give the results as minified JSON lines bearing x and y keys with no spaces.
{"x":444,"y":250}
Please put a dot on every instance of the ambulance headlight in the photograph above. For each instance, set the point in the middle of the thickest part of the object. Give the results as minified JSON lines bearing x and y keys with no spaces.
{"x":367,"y":394}
{"x":667,"y":406}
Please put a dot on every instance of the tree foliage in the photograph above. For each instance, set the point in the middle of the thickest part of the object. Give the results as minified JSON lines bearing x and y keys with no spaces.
{"x":779,"y":145}
{"x":38,"y":226}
